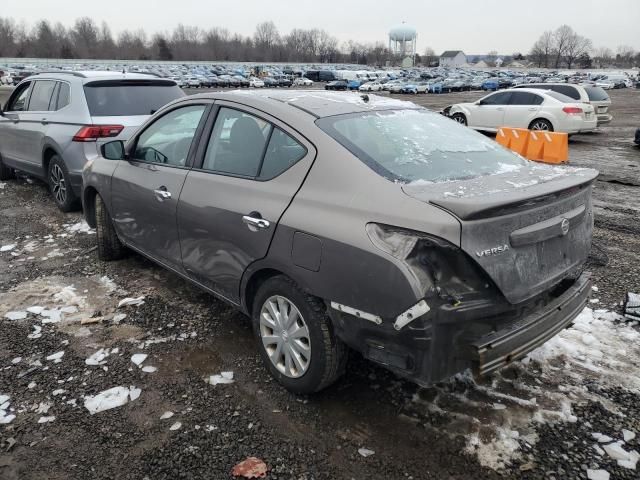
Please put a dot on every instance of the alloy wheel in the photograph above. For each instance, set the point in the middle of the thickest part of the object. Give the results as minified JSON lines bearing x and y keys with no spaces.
{"x":540,"y":126}
{"x":285,"y":336}
{"x":58,"y":184}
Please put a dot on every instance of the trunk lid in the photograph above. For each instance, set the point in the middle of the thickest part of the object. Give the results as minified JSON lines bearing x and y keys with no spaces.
{"x":528,"y":229}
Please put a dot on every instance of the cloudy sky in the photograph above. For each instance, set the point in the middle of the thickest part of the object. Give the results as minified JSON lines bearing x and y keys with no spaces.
{"x":476,"y":26}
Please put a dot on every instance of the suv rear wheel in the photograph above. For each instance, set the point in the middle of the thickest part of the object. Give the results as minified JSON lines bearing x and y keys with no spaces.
{"x":60,"y":185}
{"x":6,"y":173}
{"x":295,"y":337}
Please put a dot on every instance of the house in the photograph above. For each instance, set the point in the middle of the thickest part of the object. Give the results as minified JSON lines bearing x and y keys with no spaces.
{"x":453,"y":58}
{"x":481,"y":64}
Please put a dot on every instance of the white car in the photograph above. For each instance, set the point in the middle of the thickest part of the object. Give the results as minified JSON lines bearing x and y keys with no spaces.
{"x":193,"y":82}
{"x":302,"y":82}
{"x":255,"y":82}
{"x":529,"y":108}
{"x":370,"y":87}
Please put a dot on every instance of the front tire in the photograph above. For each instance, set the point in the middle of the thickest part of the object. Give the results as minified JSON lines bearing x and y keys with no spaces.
{"x":6,"y":173}
{"x":295,"y":337}
{"x":109,"y":245}
{"x":60,"y":185}
{"x":460,"y":118}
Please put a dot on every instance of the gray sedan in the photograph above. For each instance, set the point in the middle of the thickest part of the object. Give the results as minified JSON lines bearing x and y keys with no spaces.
{"x":339,"y":220}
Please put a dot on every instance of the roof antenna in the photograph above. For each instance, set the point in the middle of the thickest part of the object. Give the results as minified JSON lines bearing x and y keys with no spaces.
{"x":365,"y":98}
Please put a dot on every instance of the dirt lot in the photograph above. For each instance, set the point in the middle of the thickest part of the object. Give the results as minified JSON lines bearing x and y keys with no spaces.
{"x":534,"y":420}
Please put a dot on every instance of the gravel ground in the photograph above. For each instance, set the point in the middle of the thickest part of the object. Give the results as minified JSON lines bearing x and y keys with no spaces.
{"x":534,"y":420}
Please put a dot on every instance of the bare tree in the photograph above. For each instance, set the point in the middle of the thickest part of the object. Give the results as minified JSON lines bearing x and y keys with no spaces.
{"x":541,"y":51}
{"x":577,"y":46}
{"x":429,"y":57}
{"x":603,"y":56}
{"x":562,"y":38}
{"x":85,"y":37}
{"x":624,"y":55}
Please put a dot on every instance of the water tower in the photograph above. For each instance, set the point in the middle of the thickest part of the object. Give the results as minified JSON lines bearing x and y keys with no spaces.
{"x":402,"y":43}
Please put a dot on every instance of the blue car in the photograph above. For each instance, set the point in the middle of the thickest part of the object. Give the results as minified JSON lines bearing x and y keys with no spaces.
{"x":490,"y":84}
{"x":354,"y":84}
{"x":435,"y":87}
{"x":409,"y":88}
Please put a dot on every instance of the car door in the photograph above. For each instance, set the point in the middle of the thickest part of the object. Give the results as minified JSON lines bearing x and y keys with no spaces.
{"x":248,"y":172}
{"x":10,"y":134}
{"x":522,"y":109}
{"x":490,"y":111}
{"x":34,"y":123}
{"x":146,"y":186}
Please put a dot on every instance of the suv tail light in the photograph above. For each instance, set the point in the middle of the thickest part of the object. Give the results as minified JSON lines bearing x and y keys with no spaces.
{"x":90,"y":133}
{"x":572,"y":110}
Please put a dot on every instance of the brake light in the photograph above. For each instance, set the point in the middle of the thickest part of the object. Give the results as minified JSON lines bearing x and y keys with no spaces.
{"x":90,"y":133}
{"x":572,"y":110}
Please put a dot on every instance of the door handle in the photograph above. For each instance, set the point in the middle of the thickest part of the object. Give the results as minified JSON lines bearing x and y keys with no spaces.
{"x":162,"y":194}
{"x":44,"y":121}
{"x":255,"y":222}
{"x":533,"y":109}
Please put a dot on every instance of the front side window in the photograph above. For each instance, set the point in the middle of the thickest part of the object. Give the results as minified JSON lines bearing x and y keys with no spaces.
{"x":167,"y":141}
{"x":41,"y":95}
{"x":19,"y":103}
{"x":237,"y":144}
{"x":419,"y":145}
{"x":501,"y":98}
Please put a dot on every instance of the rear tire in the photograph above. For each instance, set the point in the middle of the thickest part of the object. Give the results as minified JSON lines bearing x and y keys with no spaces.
{"x":460,"y":118}
{"x":109,"y":245}
{"x":324,"y":358}
{"x":6,"y":173}
{"x":60,"y":185}
{"x":540,"y":124}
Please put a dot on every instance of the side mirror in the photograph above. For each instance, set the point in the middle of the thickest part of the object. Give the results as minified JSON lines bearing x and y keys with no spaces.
{"x":113,"y":150}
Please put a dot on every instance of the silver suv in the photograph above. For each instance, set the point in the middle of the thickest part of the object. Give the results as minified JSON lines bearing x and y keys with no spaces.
{"x":53,"y":123}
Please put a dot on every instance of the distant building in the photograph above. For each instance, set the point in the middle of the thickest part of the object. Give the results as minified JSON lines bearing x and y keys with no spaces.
{"x":453,"y":58}
{"x":481,"y":64}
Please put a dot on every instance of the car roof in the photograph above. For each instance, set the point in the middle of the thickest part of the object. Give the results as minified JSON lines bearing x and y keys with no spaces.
{"x":94,"y":74}
{"x":317,"y":103}
{"x":554,"y":84}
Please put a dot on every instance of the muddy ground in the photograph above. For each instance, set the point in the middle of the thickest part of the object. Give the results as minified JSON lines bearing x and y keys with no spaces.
{"x":534,"y":420}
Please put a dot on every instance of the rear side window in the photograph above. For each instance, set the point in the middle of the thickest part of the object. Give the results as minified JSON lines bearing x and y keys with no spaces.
{"x":567,"y":90}
{"x":41,"y":95}
{"x":283,"y":151}
{"x":597,"y":94}
{"x":525,"y":98}
{"x":560,"y":97}
{"x":64,"y":95}
{"x":237,"y":144}
{"x":244,"y":145}
{"x":125,"y":98}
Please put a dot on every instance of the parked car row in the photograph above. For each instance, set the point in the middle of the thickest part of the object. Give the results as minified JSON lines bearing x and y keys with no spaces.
{"x":286,"y":240}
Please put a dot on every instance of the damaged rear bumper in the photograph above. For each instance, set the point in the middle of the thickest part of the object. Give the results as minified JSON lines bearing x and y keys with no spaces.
{"x":494,"y":351}
{"x":483,"y":335}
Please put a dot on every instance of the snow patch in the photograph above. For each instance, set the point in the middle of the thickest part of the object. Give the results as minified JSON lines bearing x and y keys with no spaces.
{"x":222,"y":378}
{"x":112,"y":398}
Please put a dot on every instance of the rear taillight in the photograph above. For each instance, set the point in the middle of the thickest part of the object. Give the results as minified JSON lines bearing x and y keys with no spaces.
{"x":90,"y":133}
{"x":572,"y":110}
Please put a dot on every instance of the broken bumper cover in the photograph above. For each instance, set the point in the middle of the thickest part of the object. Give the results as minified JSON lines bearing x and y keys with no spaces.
{"x":483,"y":335}
{"x":498,"y":349}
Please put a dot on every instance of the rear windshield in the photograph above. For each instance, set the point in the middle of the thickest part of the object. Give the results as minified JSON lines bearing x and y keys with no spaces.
{"x":419,"y":146}
{"x":597,"y":94}
{"x":128,"y":98}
